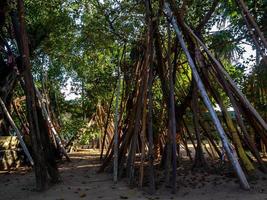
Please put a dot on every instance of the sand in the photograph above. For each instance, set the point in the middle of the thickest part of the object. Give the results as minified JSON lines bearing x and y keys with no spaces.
{"x":80,"y":181}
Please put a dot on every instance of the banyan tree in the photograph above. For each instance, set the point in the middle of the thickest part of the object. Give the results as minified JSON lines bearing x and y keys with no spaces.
{"x":168,"y":81}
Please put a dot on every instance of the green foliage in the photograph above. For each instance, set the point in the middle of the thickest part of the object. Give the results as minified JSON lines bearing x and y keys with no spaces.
{"x":89,"y":136}
{"x":81,"y":42}
{"x":255,"y":88}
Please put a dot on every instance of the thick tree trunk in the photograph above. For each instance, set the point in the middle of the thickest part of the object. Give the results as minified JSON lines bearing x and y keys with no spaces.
{"x":38,"y":144}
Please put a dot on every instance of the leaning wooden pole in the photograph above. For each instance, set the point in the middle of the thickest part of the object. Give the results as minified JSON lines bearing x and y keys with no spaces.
{"x":40,"y":163}
{"x":221,"y":69}
{"x":51,"y":126}
{"x":106,"y":125}
{"x":19,"y":135}
{"x":233,"y":159}
{"x":247,"y":14}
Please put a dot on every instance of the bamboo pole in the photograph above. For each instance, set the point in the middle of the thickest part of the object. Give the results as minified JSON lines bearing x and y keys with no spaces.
{"x":240,"y":122}
{"x":246,"y":137}
{"x":22,"y":143}
{"x":233,"y":159}
{"x":235,"y":137}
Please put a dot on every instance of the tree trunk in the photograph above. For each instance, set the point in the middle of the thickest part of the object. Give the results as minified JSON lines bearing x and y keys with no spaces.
{"x":39,"y":147}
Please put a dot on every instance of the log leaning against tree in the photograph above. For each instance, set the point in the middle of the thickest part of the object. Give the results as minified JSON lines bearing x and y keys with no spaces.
{"x":207,"y":102}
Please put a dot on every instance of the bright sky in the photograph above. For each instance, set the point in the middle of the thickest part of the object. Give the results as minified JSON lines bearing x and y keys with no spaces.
{"x":248,"y":48}
{"x":248,"y":52}
{"x":69,"y":95}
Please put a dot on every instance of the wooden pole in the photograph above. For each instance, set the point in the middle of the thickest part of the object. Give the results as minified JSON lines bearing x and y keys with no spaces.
{"x":142,"y":137}
{"x":116,"y":134}
{"x":150,"y":134}
{"x":233,"y":159}
{"x":254,"y":38}
{"x":38,"y":146}
{"x":172,"y":120}
{"x":247,"y":14}
{"x":51,"y":126}
{"x":19,"y":135}
{"x":221,"y":69}
{"x":199,"y":154}
{"x":106,"y":125}
{"x":23,"y":123}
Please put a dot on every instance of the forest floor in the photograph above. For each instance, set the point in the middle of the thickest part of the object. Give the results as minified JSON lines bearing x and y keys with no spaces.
{"x":81,"y":181}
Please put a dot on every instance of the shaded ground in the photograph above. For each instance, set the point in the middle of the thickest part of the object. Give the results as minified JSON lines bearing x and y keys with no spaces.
{"x":80,"y":181}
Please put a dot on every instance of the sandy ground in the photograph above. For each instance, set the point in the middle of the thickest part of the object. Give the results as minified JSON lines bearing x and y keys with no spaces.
{"x":80,"y":181}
